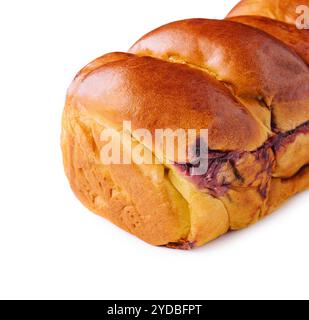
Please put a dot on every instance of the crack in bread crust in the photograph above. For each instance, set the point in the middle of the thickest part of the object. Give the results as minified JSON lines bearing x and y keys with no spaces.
{"x":226,"y":162}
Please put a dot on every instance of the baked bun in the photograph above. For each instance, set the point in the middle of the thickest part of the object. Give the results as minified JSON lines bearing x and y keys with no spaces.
{"x":245,"y":79}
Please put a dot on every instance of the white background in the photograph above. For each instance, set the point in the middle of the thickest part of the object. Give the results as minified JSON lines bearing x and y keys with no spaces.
{"x":50,"y":245}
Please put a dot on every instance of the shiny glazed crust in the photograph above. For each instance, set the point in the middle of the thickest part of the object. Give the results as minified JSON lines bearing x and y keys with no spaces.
{"x":244,"y":79}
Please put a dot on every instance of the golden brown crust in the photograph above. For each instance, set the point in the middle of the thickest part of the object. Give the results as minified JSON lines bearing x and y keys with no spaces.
{"x":253,"y":64}
{"x":282,"y":10}
{"x":291,"y":152}
{"x":146,"y":205}
{"x":296,"y":39}
{"x":283,"y":189}
{"x":127,"y":90}
{"x":245,"y":80}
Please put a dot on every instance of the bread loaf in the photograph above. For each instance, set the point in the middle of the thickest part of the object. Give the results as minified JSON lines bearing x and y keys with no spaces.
{"x":244,"y":78}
